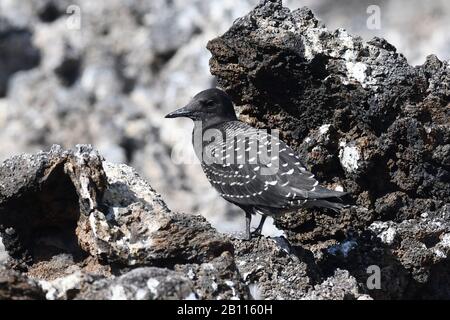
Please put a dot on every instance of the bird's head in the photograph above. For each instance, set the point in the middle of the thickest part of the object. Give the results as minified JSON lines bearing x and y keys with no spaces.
{"x":210,"y":106}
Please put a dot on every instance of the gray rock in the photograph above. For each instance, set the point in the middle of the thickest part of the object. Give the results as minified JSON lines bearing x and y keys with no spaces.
{"x":139,"y":284}
{"x":96,"y":230}
{"x":335,"y":98}
{"x":110,"y":82}
{"x":142,"y":284}
{"x":114,"y":214}
{"x":360,"y":115}
{"x":3,"y":254}
{"x":365,"y":121}
{"x":273,"y":271}
{"x":51,"y":191}
{"x":340,"y":286}
{"x":15,"y":286}
{"x":410,"y":38}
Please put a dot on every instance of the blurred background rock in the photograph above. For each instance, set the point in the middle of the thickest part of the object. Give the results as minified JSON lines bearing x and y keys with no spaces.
{"x":111,"y":81}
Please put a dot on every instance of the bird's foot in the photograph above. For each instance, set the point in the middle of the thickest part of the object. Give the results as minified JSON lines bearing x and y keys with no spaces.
{"x":256,"y":233}
{"x":247,"y":236}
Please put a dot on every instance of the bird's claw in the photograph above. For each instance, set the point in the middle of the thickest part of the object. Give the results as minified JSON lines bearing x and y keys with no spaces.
{"x":256,"y":233}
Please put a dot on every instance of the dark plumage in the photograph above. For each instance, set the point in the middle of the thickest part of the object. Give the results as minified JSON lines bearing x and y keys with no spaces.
{"x":248,"y":167}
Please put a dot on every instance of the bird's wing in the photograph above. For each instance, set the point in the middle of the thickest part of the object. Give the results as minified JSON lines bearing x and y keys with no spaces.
{"x":243,"y":185}
{"x":295,"y":180}
{"x":252,"y":171}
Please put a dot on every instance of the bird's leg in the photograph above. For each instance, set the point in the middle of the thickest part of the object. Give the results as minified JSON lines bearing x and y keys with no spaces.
{"x":258,"y":230}
{"x":248,"y":220}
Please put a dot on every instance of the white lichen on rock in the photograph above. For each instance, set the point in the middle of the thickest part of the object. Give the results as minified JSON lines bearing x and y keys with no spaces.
{"x":349,"y":155}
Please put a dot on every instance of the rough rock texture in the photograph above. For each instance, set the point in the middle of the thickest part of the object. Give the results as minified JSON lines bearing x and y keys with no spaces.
{"x":77,"y":227}
{"x":80,"y":225}
{"x":48,"y":191}
{"x":358,"y":113}
{"x":273,"y":271}
{"x":413,"y":256}
{"x":142,"y":284}
{"x":110,"y":82}
{"x":16,"y":52}
{"x":364,"y":120}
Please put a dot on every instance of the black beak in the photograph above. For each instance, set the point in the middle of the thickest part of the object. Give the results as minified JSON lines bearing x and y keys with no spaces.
{"x":186,"y":111}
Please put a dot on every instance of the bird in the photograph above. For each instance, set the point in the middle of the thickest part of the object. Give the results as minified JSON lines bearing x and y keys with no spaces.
{"x":251,"y":168}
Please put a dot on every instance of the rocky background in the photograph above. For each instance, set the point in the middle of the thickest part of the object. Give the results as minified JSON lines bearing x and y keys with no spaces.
{"x":77,"y":226}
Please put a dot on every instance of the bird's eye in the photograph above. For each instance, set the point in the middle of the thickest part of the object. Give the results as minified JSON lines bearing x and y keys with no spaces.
{"x":209,"y":103}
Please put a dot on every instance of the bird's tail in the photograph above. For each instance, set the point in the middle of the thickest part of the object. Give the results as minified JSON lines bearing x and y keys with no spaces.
{"x":335,"y":206}
{"x":320,"y":193}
